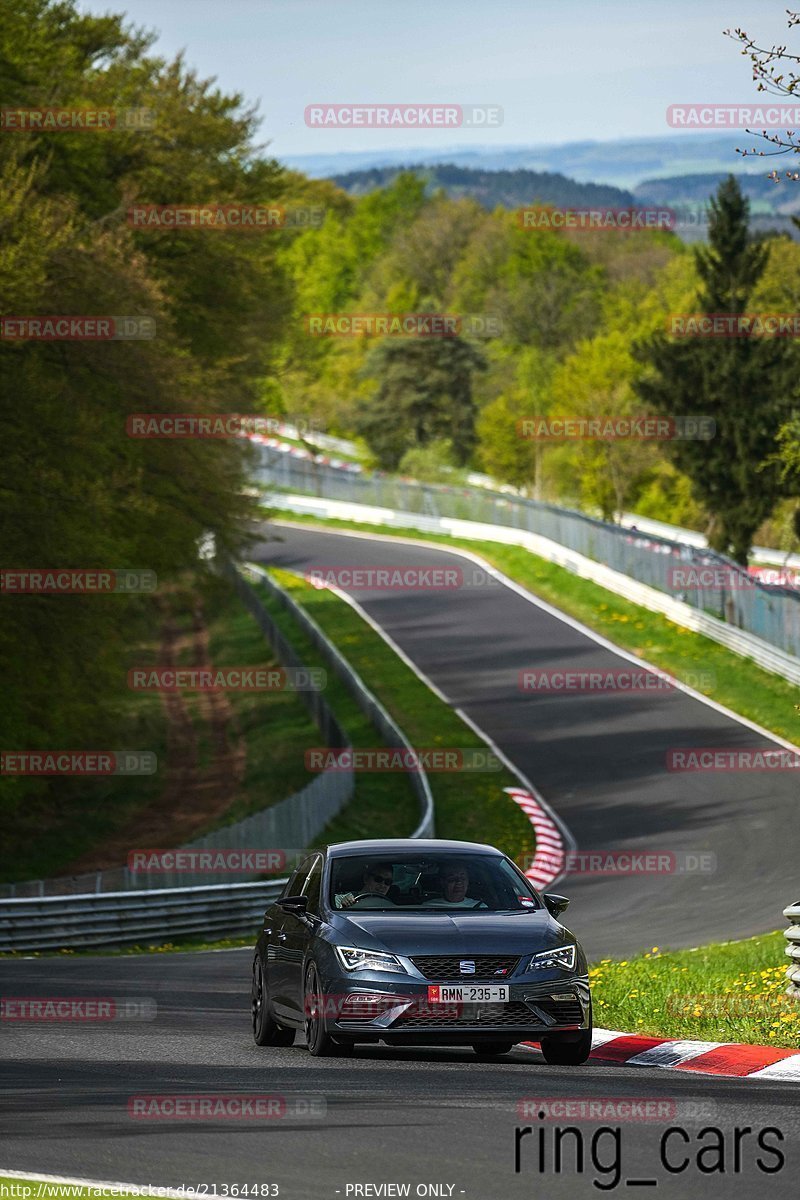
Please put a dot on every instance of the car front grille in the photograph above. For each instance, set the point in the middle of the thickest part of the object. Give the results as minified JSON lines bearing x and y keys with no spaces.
{"x":517,"y":1015}
{"x":447,"y":966}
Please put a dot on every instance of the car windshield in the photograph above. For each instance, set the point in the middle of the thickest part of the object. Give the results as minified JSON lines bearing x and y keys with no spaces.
{"x":479,"y":882}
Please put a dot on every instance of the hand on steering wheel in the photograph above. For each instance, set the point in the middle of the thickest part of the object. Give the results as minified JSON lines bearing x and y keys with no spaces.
{"x":349,"y":901}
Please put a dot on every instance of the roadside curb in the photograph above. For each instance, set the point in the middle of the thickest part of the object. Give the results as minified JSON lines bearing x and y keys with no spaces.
{"x":548,"y":862}
{"x":731,"y":1059}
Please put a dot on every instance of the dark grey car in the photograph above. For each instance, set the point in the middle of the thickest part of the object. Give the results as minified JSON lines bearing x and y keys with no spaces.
{"x":419,"y":942}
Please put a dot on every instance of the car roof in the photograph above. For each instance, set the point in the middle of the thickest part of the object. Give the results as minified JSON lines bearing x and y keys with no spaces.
{"x":382,"y":846}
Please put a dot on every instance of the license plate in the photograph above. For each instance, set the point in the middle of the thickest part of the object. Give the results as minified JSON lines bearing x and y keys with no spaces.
{"x":440,"y":993}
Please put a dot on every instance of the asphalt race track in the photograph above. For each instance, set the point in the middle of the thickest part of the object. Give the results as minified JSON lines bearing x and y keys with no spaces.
{"x":391,"y":1116}
{"x":597,"y":758}
{"x":440,"y":1120}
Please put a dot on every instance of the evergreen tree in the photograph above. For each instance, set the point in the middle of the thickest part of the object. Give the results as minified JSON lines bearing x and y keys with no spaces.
{"x":424,"y":395}
{"x":744,"y":383}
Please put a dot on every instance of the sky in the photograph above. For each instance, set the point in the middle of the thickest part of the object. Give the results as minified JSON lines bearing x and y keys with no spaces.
{"x":561,"y":70}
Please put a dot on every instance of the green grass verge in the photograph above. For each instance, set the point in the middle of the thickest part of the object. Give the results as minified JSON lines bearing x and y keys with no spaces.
{"x":738,"y":683}
{"x":469,"y":805}
{"x":276,"y":726}
{"x":383,"y":805}
{"x":723,"y":992}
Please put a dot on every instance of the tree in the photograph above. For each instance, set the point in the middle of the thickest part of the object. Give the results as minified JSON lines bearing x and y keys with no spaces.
{"x":597,"y":382}
{"x":424,"y":395}
{"x":76,"y":491}
{"x":504,"y":453}
{"x":745,"y":384}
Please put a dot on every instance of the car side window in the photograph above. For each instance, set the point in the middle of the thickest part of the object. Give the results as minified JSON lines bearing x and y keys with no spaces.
{"x":296,"y":880}
{"x":313,"y":886}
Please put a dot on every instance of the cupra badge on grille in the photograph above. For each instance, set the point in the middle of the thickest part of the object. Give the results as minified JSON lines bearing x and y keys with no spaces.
{"x":466,"y":966}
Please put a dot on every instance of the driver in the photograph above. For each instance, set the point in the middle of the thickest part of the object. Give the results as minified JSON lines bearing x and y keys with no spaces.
{"x":375,"y":884}
{"x":453,"y":884}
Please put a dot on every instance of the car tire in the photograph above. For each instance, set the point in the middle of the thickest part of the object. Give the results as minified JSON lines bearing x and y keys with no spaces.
{"x":266,"y":1031}
{"x":319,"y":1041}
{"x":491,"y":1049}
{"x":562,"y":1053}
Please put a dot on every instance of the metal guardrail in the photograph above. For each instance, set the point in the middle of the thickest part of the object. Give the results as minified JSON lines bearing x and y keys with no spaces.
{"x":134,"y":918}
{"x":769,"y":612}
{"x":390,"y":732}
{"x":792,"y":935}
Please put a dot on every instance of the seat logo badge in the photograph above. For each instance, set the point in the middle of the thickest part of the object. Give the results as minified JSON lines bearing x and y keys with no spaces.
{"x":466,"y":966}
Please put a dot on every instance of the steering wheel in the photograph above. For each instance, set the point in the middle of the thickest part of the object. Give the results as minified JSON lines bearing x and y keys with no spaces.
{"x":363,"y":895}
{"x":477,"y":904}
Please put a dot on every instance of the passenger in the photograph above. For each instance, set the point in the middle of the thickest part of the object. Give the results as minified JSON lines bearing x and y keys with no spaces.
{"x":453,"y":883}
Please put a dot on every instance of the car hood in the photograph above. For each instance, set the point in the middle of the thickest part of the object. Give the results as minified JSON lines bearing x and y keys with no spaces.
{"x":453,"y":932}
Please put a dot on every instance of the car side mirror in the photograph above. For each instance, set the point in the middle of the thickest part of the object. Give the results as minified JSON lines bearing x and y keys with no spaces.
{"x":555,"y":904}
{"x":296,"y":905}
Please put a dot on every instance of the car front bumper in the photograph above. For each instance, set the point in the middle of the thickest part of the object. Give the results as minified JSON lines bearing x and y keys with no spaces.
{"x":400,"y":1012}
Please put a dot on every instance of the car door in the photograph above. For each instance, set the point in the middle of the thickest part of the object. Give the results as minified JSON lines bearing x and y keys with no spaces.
{"x":275,"y":932}
{"x":299,"y":931}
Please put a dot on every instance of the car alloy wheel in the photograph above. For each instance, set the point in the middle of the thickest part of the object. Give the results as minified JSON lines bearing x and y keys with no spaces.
{"x":266,"y":1032}
{"x":319,"y":1041}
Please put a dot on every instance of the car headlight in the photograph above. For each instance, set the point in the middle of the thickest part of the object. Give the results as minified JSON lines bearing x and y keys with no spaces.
{"x":563,"y":957}
{"x":354,"y":959}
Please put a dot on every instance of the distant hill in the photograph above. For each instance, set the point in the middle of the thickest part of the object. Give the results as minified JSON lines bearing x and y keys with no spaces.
{"x":764,"y":195}
{"x":510,"y":189}
{"x":623,"y":163}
